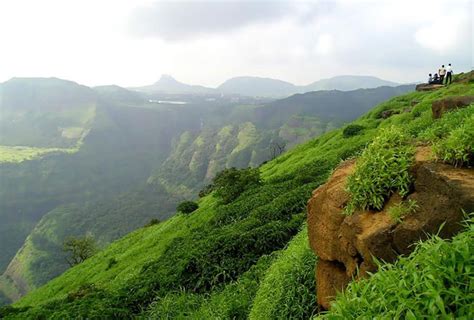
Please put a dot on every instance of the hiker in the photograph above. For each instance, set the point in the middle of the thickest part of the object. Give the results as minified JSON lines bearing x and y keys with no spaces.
{"x":435,"y":79}
{"x":449,"y":74}
{"x":430,"y":79}
{"x":442,"y":73}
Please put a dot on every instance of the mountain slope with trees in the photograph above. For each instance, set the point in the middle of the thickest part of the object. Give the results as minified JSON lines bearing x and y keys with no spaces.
{"x":218,"y":261}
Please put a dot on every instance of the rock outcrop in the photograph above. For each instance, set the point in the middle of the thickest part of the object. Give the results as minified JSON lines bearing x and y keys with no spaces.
{"x":428,"y":87}
{"x":345,"y":245}
{"x":441,"y":106}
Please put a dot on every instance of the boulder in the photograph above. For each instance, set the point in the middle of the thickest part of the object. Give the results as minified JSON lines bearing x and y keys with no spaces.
{"x":428,"y":87}
{"x":346,"y":245}
{"x":441,"y":106}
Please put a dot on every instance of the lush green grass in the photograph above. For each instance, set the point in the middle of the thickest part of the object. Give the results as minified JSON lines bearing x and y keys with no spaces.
{"x":434,"y":282}
{"x":219,"y":261}
{"x":382,"y":169}
{"x":288,"y":288}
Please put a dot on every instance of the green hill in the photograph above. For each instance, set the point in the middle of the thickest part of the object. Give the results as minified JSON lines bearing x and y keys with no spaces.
{"x":135,"y":162}
{"x":247,"y":257}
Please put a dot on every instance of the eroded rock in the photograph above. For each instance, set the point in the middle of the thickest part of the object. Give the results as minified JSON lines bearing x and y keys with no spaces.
{"x":441,"y":106}
{"x":428,"y":87}
{"x":345,"y":245}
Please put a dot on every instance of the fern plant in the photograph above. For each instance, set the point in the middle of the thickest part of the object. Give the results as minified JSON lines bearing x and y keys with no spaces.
{"x":382,"y":169}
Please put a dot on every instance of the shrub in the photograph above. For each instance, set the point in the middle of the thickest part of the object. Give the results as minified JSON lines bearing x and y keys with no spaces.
{"x":399,"y":211}
{"x":230,"y":183}
{"x":352,"y":130}
{"x":112,"y":262}
{"x":383,"y":168}
{"x":187,"y":207}
{"x":152,"y":222}
{"x":458,"y":147}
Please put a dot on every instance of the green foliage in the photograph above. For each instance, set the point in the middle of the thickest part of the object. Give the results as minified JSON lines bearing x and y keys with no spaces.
{"x":152,"y":222}
{"x":230,"y":183}
{"x":79,"y":248}
{"x":383,"y":168}
{"x":223,"y":261}
{"x":187,"y":207}
{"x":434,"y":282}
{"x":352,"y":130}
{"x":112,"y":262}
{"x":458,"y":147}
{"x":288,"y":288}
{"x":400,"y":210}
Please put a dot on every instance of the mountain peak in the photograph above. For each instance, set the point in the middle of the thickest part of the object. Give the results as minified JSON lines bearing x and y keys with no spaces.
{"x":167,"y":79}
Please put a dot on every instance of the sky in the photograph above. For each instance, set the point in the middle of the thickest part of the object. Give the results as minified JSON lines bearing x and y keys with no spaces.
{"x":134,"y":42}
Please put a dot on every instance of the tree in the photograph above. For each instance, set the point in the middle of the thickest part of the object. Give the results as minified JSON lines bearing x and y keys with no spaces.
{"x":79,"y":249}
{"x":230,"y":183}
{"x":187,"y":207}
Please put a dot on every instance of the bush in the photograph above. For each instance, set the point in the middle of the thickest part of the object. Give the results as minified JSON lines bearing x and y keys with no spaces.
{"x":112,"y":262}
{"x":152,"y":222}
{"x":187,"y":207}
{"x":382,"y":169}
{"x":352,"y":130}
{"x":458,"y":147}
{"x":230,"y":183}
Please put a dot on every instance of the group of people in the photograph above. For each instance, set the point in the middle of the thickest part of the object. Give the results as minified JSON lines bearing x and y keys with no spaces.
{"x":443,"y":73}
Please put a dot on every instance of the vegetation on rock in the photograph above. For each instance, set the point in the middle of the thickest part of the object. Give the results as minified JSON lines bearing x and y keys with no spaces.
{"x":382,"y":169}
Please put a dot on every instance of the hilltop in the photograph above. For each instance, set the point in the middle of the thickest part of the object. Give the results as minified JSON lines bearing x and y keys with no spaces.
{"x":248,"y":256}
{"x":252,"y":86}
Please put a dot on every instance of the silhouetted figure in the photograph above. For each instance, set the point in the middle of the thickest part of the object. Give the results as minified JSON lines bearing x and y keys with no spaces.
{"x":442,"y":73}
{"x":436,"y":79}
{"x":430,"y":79}
{"x":449,"y":74}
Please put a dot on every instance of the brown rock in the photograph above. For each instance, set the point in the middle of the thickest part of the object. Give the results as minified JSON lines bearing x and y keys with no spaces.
{"x":337,"y":281}
{"x":346,"y":244}
{"x":428,"y":87}
{"x":441,"y":106}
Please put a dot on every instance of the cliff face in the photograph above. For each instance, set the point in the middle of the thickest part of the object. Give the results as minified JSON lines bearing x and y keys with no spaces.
{"x":346,"y":245}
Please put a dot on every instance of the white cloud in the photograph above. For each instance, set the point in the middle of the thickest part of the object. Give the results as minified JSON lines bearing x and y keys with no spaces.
{"x":90,"y":41}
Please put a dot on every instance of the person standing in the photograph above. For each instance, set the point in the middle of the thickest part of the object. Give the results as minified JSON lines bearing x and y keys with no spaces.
{"x":449,"y":74}
{"x":442,"y":73}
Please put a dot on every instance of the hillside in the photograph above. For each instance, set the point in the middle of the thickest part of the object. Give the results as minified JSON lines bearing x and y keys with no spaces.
{"x":45,"y":112}
{"x":256,"y":86}
{"x":247,"y":257}
{"x":161,"y":154}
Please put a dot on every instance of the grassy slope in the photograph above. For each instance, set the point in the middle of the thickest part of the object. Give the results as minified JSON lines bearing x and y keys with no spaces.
{"x":132,"y":252}
{"x":301,"y":163}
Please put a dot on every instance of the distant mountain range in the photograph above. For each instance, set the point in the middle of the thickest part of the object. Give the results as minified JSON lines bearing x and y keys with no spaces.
{"x":264,"y":87}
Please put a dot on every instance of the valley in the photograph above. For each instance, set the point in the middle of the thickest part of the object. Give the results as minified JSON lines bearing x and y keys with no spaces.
{"x":131,"y":160}
{"x":237,"y":249}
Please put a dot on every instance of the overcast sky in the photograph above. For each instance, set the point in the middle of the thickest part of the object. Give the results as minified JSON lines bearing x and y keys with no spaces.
{"x":133,"y":42}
